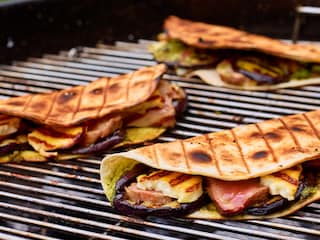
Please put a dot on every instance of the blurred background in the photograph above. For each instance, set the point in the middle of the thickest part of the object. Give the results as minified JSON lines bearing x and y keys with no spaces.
{"x":31,"y":28}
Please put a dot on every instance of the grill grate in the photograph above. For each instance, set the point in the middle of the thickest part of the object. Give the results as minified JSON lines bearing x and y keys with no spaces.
{"x":57,"y":200}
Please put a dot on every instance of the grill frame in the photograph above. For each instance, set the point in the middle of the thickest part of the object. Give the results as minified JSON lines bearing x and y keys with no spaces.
{"x":63,"y":200}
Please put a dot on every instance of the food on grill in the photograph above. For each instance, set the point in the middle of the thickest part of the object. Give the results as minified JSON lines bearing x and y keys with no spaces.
{"x":176,"y":53}
{"x":263,"y":170}
{"x":145,"y":202}
{"x":82,"y":120}
{"x":223,"y":56}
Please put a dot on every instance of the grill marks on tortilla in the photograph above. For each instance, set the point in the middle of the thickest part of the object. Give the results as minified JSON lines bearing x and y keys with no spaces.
{"x":312,"y":125}
{"x":33,"y":107}
{"x":66,"y":104}
{"x":236,"y":140}
{"x":213,"y":153}
{"x":99,"y":98}
{"x":92,"y":99}
{"x":170,"y":155}
{"x":303,"y":133}
{"x":208,"y":36}
{"x":298,"y":147}
{"x":200,"y":155}
{"x":263,"y":154}
{"x":280,"y":141}
{"x":229,"y":159}
{"x":242,"y":152}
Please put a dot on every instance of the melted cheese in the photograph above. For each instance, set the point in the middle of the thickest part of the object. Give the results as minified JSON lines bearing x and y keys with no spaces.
{"x":185,"y":188}
{"x":284,"y":183}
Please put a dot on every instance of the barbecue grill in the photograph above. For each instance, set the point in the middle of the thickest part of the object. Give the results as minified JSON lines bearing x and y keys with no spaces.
{"x":64,"y":200}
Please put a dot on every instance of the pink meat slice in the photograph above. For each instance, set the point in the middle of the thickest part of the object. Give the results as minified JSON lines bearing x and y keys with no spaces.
{"x":139,"y":196}
{"x":232,"y":197}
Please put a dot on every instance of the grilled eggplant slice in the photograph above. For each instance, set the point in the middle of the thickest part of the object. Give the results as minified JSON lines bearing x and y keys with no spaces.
{"x":103,"y":145}
{"x":164,"y":180}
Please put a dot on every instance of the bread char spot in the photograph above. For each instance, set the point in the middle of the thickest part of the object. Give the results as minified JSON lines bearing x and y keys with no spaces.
{"x":200,"y":156}
{"x":256,"y":135}
{"x":208,"y":42}
{"x":297,"y":128}
{"x":259,"y":155}
{"x":16,"y":103}
{"x":272,"y":136}
{"x":114,"y":87}
{"x":66,"y":96}
{"x":96,"y":91}
{"x":38,"y":105}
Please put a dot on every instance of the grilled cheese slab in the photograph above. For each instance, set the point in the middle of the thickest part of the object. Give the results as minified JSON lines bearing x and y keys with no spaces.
{"x":284,"y":183}
{"x":185,"y":188}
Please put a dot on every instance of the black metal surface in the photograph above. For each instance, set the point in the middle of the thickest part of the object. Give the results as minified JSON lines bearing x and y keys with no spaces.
{"x":64,"y":200}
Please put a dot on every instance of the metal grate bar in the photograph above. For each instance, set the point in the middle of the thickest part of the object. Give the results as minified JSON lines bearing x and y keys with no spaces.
{"x":62,"y":183}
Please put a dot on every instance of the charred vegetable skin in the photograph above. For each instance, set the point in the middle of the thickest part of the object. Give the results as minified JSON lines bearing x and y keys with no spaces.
{"x":101,"y":146}
{"x":270,"y":70}
{"x":122,"y":204}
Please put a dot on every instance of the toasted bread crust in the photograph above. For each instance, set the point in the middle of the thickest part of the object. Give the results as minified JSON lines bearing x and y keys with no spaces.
{"x":207,"y":36}
{"x":81,"y":103}
{"x":243,"y":152}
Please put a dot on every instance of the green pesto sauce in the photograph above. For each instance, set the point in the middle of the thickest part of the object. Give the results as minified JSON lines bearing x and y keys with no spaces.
{"x":113,"y":170}
{"x":301,"y":73}
{"x":310,"y":190}
{"x":174,"y":52}
{"x":315,"y":68}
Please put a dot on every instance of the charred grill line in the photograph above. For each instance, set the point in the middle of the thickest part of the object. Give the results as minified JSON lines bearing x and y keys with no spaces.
{"x":128,"y":86}
{"x":78,"y":103}
{"x":184,"y":154}
{"x":311,"y":125}
{"x":105,"y":95}
{"x":213,"y":154}
{"x":51,"y":106}
{"x":267,"y":143}
{"x":27,"y":103}
{"x":291,"y":134}
{"x":155,"y":156}
{"x":240,"y":150}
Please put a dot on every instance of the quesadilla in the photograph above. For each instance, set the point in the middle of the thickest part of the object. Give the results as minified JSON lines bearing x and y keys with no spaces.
{"x":263,"y":170}
{"x":82,"y":120}
{"x":227,"y":57}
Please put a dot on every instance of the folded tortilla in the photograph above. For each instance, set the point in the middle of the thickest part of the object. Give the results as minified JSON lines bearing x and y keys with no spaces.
{"x":204,"y":36}
{"x":106,"y":113}
{"x":241,"y":153}
{"x":75,"y":105}
{"x":208,"y":36}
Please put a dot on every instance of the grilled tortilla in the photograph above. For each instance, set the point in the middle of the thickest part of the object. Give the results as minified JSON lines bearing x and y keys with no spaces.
{"x":272,"y":155}
{"x":82,"y":120}
{"x":223,"y":56}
